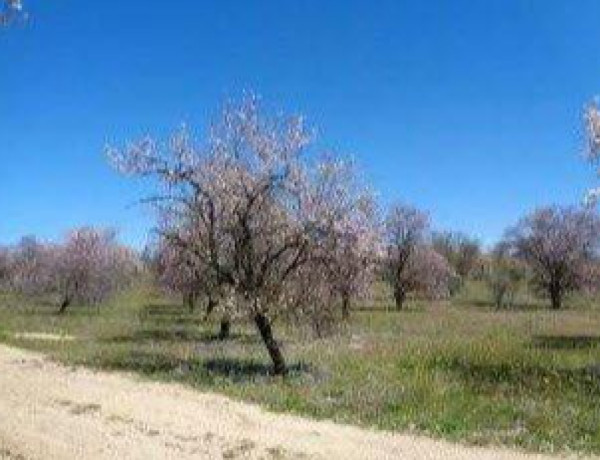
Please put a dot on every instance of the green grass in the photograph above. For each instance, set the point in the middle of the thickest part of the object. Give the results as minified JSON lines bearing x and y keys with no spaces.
{"x":527,"y":377}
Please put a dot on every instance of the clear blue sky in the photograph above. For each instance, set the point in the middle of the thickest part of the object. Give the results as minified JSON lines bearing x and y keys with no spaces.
{"x":469,"y":109}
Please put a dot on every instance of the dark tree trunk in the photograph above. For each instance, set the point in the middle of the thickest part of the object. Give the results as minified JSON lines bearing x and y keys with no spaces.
{"x":555,"y":297}
{"x":69,"y":294}
{"x":212,"y":304}
{"x":64,"y":305}
{"x":345,"y":305}
{"x":399,"y":297}
{"x":317,"y":329}
{"x":190,"y":301}
{"x":266,"y":333}
{"x":225,"y":329}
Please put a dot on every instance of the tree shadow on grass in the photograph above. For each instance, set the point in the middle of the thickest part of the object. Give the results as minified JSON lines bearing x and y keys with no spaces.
{"x":196,"y":370}
{"x":390,"y":308}
{"x":477,"y":303}
{"x":36,"y":311}
{"x":53,"y":310}
{"x":489,"y":305}
{"x":140,"y":361}
{"x":178,"y":335}
{"x":520,"y":376}
{"x":566,"y":342}
{"x":163,"y":310}
{"x":239,"y":370}
{"x":171,"y":314}
{"x":383,"y":306}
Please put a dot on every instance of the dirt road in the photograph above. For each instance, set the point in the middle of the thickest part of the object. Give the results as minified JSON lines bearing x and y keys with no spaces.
{"x":49,"y":412}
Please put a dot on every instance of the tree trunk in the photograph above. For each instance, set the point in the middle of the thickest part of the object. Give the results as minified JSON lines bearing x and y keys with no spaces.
{"x":345,"y":306}
{"x":212,"y":304}
{"x":399,"y":297}
{"x":190,"y":301}
{"x":225,"y":328}
{"x":555,"y":297}
{"x":266,"y":333}
{"x":63,"y":306}
{"x":69,"y":294}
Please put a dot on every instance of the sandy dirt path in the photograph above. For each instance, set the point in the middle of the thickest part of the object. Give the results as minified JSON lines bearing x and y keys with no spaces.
{"x":50,"y":412}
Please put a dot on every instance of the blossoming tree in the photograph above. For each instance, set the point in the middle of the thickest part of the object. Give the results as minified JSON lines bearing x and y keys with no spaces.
{"x":558,"y":244}
{"x":252,"y":206}
{"x":411,"y":265}
{"x":90,"y":266}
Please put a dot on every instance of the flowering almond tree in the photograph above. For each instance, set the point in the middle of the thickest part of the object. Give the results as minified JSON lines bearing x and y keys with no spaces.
{"x":5,"y":266}
{"x":351,"y":238}
{"x":558,"y":244}
{"x":252,"y":206}
{"x":410,"y":265}
{"x":87,"y":267}
{"x":179,"y":271}
{"x":351,"y":270}
{"x":592,"y":124}
{"x":461,"y":251}
{"x":30,"y":266}
{"x":90,"y":266}
{"x":503,"y":274}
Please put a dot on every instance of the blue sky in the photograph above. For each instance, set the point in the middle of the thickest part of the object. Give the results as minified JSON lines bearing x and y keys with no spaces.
{"x":471,"y":110}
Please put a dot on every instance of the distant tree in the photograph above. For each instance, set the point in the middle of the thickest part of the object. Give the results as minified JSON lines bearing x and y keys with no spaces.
{"x":31,"y":266}
{"x":348,"y":246}
{"x":149,"y":257}
{"x":592,"y":152}
{"x":312,"y":301}
{"x":253,"y":209}
{"x":350,"y":272}
{"x":90,"y":266}
{"x":592,"y":125}
{"x":5,"y":267}
{"x":410,"y":265}
{"x":558,"y":244}
{"x":87,"y":267}
{"x":180,"y":271}
{"x":590,"y":284}
{"x":503,"y":275}
{"x":461,"y":251}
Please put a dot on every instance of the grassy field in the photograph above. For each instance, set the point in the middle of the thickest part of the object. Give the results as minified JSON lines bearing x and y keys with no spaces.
{"x":528,"y":377}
